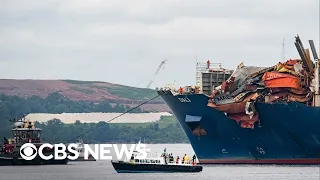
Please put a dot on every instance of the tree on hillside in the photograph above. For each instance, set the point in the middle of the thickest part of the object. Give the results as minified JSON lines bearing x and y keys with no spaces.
{"x":61,"y":108}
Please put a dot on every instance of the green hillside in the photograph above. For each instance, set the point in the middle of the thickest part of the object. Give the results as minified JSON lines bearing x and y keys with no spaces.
{"x":115,"y":89}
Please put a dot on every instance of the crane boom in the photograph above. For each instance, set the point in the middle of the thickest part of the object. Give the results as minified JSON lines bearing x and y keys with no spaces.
{"x":157,"y":71}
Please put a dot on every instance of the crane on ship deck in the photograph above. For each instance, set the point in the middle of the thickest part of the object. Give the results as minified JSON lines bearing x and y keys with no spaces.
{"x":157,"y":71}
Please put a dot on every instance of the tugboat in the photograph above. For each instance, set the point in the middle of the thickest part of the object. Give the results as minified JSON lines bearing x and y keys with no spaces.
{"x":25,"y":132}
{"x":80,"y":150}
{"x":152,"y":165}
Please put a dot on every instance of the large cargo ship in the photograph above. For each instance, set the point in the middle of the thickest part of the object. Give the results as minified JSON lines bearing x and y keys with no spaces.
{"x":253,"y":115}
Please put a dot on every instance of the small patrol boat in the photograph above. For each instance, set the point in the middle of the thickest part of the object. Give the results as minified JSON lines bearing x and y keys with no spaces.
{"x":80,"y":150}
{"x":25,"y":132}
{"x":152,"y":165}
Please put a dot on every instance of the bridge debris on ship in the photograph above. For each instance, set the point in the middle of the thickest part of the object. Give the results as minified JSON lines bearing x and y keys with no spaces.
{"x":236,"y":92}
{"x":291,"y":81}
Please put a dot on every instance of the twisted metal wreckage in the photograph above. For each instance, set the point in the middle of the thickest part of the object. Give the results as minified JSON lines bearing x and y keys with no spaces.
{"x":296,"y":80}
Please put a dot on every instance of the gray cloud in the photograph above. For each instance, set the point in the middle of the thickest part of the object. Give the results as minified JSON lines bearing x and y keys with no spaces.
{"x":125,"y":41}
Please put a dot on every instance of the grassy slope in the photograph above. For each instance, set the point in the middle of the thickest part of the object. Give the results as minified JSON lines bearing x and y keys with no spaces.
{"x":119,"y":90}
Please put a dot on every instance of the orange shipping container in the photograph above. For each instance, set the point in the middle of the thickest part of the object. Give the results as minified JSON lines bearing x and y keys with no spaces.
{"x":288,"y":82}
{"x":275,"y":75}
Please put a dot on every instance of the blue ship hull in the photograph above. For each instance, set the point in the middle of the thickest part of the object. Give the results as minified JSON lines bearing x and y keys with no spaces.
{"x":289,"y":133}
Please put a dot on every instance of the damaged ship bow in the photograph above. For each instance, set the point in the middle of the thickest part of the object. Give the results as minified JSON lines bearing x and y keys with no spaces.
{"x":264,"y":115}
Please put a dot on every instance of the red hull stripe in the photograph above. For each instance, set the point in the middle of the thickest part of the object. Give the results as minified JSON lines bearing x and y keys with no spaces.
{"x":263,"y":161}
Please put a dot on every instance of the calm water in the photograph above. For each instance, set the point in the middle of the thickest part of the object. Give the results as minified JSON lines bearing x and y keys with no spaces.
{"x":103,"y":169}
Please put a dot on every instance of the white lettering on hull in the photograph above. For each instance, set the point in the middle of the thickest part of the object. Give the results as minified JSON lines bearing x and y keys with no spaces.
{"x":184,"y":100}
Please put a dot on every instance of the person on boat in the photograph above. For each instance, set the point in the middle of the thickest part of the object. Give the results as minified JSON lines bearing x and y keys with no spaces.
{"x":164,"y":152}
{"x":165,"y":158}
{"x":193,"y":159}
{"x":183,"y":158}
{"x":177,"y":161}
{"x":186,"y":159}
{"x":171,"y":158}
{"x":132,"y":158}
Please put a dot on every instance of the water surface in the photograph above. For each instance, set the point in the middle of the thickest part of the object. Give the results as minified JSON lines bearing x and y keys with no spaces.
{"x":103,"y":170}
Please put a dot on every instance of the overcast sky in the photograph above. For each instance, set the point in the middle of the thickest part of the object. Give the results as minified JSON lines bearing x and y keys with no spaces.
{"x":124,"y":41}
